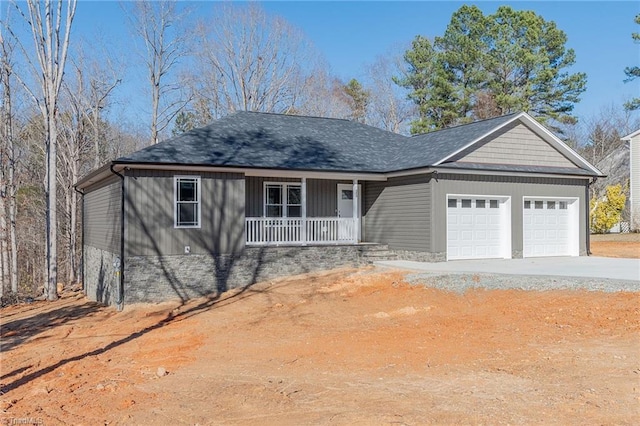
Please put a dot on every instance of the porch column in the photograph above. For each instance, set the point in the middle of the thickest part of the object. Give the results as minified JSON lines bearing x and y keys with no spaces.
{"x":303,"y":209}
{"x":356,"y":221}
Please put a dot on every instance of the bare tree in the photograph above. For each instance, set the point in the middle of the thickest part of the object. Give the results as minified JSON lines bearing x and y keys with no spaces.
{"x":160,"y":26}
{"x":51,"y":30}
{"x":8,"y":186}
{"x":74,"y":142}
{"x":600,"y":133}
{"x":250,"y":61}
{"x":389,"y":106}
{"x":90,"y":95}
{"x":322,"y":95}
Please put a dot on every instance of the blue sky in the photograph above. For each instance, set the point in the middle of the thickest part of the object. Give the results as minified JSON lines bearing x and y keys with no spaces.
{"x":351,"y":34}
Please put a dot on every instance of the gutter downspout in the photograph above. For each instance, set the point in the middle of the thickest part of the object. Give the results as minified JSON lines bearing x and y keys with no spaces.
{"x":587,"y":202}
{"x":120,"y":301}
{"x":84,"y":286}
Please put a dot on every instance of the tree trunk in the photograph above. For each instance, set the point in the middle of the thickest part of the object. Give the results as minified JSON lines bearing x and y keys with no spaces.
{"x":10,"y":189}
{"x":7,"y":190}
{"x":52,"y":202}
{"x":95,"y":118}
{"x":73,"y":224}
{"x":4,"y":263}
{"x":51,"y":49}
{"x":13,"y":241}
{"x":154,"y":115}
{"x":4,"y":255}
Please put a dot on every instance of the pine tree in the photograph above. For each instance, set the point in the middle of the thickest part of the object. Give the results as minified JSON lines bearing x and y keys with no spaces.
{"x":484,"y":66}
{"x":633,"y":72}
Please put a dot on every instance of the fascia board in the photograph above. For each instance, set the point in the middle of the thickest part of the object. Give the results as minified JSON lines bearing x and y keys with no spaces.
{"x":508,"y":173}
{"x":558,"y":144}
{"x":631,"y":136}
{"x":258,"y":172}
{"x":97,"y":176}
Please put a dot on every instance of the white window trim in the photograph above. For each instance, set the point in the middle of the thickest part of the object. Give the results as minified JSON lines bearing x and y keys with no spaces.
{"x":284,"y":204}
{"x":198,"y":180}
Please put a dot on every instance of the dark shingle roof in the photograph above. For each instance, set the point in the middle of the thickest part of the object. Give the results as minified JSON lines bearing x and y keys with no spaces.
{"x":261,"y":140}
{"x":275,"y":141}
{"x":429,"y":148}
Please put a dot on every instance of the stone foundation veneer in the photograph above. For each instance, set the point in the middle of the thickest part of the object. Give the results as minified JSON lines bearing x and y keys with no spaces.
{"x":159,"y":278}
{"x":183,"y":277}
{"x":100,"y":276}
{"x":419,"y":256}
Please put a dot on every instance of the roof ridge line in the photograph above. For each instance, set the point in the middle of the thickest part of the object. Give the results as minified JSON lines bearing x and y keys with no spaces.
{"x":284,"y":114}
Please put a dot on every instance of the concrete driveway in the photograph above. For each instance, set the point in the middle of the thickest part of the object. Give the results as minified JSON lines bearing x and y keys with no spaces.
{"x":582,"y":266}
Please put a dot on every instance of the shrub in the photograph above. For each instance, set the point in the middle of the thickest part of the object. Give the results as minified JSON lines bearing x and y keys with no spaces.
{"x":605,"y":212}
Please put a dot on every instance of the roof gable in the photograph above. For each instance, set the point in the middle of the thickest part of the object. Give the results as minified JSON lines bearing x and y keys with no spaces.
{"x":430,"y":148}
{"x":514,"y":144}
{"x":472,"y":139}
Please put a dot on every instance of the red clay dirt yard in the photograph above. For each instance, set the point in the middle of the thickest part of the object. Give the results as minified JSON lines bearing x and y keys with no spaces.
{"x":343,"y":347}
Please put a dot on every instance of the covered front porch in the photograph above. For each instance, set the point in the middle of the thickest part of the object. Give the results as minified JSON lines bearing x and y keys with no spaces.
{"x":302,"y":211}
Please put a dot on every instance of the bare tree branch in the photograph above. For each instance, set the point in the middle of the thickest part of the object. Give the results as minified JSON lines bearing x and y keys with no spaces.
{"x":160,"y":26}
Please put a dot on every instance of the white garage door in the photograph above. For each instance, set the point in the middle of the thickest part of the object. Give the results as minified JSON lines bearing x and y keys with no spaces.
{"x":478,"y":227}
{"x":550,"y":227}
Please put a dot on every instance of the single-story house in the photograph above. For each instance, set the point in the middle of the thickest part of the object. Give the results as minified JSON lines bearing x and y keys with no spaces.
{"x":634,"y":179}
{"x":256,"y":195}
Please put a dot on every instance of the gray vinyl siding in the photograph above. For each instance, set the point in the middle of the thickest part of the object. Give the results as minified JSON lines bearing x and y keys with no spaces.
{"x":397,"y":213}
{"x":102,"y":215}
{"x":322,"y":195}
{"x":514,"y":187}
{"x":516,"y":144}
{"x":149,"y":226}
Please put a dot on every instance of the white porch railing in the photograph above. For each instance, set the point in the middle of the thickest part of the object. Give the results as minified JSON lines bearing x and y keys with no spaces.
{"x":299,"y":231}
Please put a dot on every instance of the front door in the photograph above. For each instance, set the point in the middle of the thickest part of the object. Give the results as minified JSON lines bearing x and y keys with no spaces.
{"x":345,"y":209}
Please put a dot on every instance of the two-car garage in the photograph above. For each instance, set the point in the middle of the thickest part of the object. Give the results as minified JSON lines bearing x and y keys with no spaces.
{"x":480,"y":227}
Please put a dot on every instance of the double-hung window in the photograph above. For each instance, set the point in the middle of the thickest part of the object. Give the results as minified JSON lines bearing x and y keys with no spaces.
{"x":282,"y":200}
{"x":187,"y":201}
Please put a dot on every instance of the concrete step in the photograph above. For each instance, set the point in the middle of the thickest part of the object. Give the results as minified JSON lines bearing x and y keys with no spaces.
{"x":375,"y":252}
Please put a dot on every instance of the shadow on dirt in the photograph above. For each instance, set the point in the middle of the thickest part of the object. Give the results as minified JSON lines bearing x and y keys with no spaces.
{"x":75,"y":312}
{"x":15,"y":332}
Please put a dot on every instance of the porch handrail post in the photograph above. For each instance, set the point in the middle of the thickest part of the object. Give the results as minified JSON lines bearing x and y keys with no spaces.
{"x":303,"y":209}
{"x":356,"y":197}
